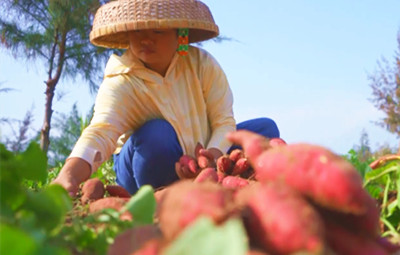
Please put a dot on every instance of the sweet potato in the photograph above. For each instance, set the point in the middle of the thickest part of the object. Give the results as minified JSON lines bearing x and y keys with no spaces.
{"x":207,"y":174}
{"x":346,"y":242}
{"x":241,"y":165}
{"x":115,"y":203}
{"x":117,"y":191}
{"x":276,"y":141}
{"x":187,"y":167}
{"x":224,"y":164}
{"x":151,"y":247}
{"x":386,"y":244}
{"x":133,"y":239}
{"x":366,"y":223}
{"x":236,"y":154}
{"x":315,"y":171}
{"x":92,"y":190}
{"x":279,"y":220}
{"x":234,"y":182}
{"x":204,"y":158}
{"x":185,"y":201}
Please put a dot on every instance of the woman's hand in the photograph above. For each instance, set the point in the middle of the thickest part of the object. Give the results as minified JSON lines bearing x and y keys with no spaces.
{"x":74,"y":172}
{"x":207,"y":157}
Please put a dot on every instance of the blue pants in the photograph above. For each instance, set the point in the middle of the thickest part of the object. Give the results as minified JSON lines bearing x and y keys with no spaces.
{"x":149,"y":155}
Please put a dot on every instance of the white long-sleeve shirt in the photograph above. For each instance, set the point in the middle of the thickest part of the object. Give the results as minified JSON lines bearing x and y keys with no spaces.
{"x":194,"y":97}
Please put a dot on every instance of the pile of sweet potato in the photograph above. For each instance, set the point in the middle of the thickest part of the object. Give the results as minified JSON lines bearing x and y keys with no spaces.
{"x":291,"y":198}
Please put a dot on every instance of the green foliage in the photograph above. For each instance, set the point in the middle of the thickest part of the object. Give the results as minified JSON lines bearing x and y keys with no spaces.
{"x":29,"y":215}
{"x":67,"y":128}
{"x":362,"y":166}
{"x":38,"y":218}
{"x":203,"y":237}
{"x":385,"y":84}
{"x":384,"y":184}
{"x":141,"y":204}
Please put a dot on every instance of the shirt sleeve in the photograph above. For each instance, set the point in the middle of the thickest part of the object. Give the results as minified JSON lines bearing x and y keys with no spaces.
{"x":219,"y":101}
{"x":110,"y":120}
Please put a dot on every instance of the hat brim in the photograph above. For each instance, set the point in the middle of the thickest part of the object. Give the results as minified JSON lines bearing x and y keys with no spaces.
{"x":114,"y":20}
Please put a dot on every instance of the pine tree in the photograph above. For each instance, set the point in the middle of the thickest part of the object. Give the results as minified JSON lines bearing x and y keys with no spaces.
{"x":56,"y":32}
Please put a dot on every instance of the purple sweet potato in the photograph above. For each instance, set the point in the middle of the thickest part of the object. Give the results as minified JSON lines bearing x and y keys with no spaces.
{"x":117,"y":191}
{"x":279,"y":219}
{"x":316,"y":172}
{"x":185,"y":201}
{"x":92,"y":190}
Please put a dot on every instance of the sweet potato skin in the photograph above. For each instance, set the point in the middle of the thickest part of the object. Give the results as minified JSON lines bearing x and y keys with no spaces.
{"x":115,"y":203}
{"x":240,"y":166}
{"x":234,"y":182}
{"x":186,"y":200}
{"x":280,"y":220}
{"x":207,"y":174}
{"x":312,"y":170}
{"x":225,"y":164}
{"x":117,"y":191}
{"x":345,"y":242}
{"x":92,"y":189}
{"x":133,"y":239}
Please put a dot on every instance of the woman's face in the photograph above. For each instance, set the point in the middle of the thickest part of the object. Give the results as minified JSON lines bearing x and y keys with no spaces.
{"x":155,"y":48}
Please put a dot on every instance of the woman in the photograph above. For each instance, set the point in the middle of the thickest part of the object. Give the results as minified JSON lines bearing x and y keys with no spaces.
{"x":159,"y":99}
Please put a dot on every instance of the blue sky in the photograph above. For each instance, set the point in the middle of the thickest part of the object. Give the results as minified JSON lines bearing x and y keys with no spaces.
{"x":304,"y":63}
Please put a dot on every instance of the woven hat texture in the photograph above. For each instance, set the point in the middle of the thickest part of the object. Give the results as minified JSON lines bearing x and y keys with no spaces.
{"x":114,"y":19}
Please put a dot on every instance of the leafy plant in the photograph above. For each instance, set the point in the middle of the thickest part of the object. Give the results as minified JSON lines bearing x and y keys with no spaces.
{"x":27,"y":216}
{"x":384,"y":184}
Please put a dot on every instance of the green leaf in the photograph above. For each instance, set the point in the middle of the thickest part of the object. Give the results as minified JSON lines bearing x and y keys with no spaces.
{"x":14,"y":241}
{"x":50,"y":206}
{"x":33,"y":163}
{"x":204,"y":238}
{"x":142,"y":205}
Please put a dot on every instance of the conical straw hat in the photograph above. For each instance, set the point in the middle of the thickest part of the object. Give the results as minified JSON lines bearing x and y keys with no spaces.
{"x":114,"y":19}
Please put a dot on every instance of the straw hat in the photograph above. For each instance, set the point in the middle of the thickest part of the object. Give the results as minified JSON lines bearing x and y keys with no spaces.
{"x":114,"y":19}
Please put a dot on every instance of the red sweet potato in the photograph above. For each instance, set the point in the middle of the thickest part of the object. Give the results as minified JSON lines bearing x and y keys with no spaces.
{"x":204,"y":157}
{"x":236,"y":154}
{"x":187,"y":167}
{"x":151,"y":247}
{"x":117,"y":191}
{"x":279,"y":219}
{"x":241,"y":165}
{"x":92,"y":190}
{"x":234,"y":182}
{"x":386,"y":244}
{"x":314,"y":171}
{"x":366,"y":223}
{"x":115,"y":203}
{"x":224,"y":164}
{"x":207,"y":174}
{"x":185,"y":201}
{"x":345,"y":242}
{"x":131,"y":240}
{"x":276,"y":141}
